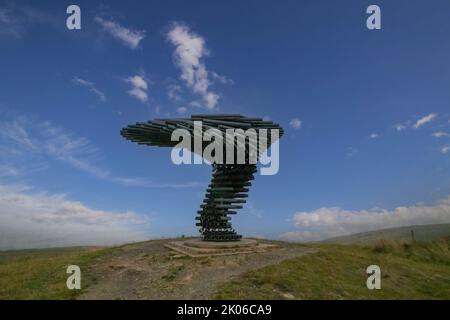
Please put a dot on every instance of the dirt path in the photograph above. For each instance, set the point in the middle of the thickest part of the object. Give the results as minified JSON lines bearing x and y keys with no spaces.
{"x":148,"y":270}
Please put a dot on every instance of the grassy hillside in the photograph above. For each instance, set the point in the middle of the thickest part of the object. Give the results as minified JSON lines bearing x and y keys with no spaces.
{"x":148,"y":270}
{"x":409,"y":271}
{"x":421,"y":233}
{"x":41,"y":273}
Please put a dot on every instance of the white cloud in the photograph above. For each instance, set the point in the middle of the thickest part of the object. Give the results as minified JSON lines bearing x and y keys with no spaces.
{"x":331,"y":222}
{"x":139,"y":94}
{"x":400,"y":127}
{"x":195,"y":104}
{"x":139,"y":88}
{"x":15,"y":20}
{"x":295,"y":123}
{"x":128,"y":37}
{"x":190,"y":49}
{"x":440,"y":134}
{"x":424,"y":120}
{"x":37,"y":219}
{"x":174,"y":92}
{"x":181,"y":110}
{"x":211,"y":100}
{"x":221,"y":79}
{"x":138,"y":82}
{"x":374,"y":135}
{"x":91,"y":87}
{"x":445,"y":149}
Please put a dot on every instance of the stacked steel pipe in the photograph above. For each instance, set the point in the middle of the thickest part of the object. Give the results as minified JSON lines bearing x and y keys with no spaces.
{"x":230,"y":182}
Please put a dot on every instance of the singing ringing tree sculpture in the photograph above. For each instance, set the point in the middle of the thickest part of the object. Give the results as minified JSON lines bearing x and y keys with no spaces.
{"x":231,"y":176}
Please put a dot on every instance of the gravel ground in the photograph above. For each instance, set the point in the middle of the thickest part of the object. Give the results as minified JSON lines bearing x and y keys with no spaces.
{"x":148,"y":270}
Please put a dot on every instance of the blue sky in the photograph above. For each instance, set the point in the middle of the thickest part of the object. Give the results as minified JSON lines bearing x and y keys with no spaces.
{"x":366,"y":115}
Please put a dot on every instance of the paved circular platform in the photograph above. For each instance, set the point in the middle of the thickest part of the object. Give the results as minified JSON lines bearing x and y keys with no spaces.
{"x":198,"y":243}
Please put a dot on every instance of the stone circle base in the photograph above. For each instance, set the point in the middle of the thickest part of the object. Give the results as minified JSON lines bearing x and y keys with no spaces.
{"x":201,"y":248}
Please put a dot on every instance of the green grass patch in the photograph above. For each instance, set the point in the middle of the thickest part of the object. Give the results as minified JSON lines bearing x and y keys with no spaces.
{"x":41,"y":274}
{"x":408,"y":270}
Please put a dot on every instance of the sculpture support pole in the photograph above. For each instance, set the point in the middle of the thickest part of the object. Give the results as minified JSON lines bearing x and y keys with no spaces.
{"x":228,"y":188}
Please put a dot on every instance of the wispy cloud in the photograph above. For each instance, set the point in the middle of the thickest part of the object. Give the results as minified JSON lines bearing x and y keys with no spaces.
{"x":133,"y":182}
{"x":128,"y":37}
{"x":32,"y":219}
{"x":420,"y":122}
{"x":16,"y":132}
{"x":417,"y":124}
{"x":90,"y":86}
{"x":440,"y":134}
{"x":195,"y":104}
{"x":44,"y":140}
{"x":181,"y":110}
{"x":253,"y":210}
{"x":139,"y":87}
{"x":40,"y":141}
{"x":445,"y":149}
{"x":190,"y":49}
{"x":295,"y":123}
{"x":9,"y":170}
{"x":174,"y":92}
{"x":141,"y":182}
{"x":76,"y":151}
{"x":374,"y":135}
{"x":331,"y":222}
{"x":221,"y":79}
{"x":351,"y":152}
{"x":15,"y":19}
{"x":400,"y":126}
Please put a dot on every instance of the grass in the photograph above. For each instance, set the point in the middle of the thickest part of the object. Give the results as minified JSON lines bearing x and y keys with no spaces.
{"x":41,"y":274}
{"x":173,"y":272}
{"x":409,"y":271}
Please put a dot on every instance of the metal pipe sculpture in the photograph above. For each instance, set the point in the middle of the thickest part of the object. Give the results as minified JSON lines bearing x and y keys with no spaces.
{"x":230,"y":182}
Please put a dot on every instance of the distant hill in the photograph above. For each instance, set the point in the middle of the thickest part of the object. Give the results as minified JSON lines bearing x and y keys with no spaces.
{"x":421,"y":233}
